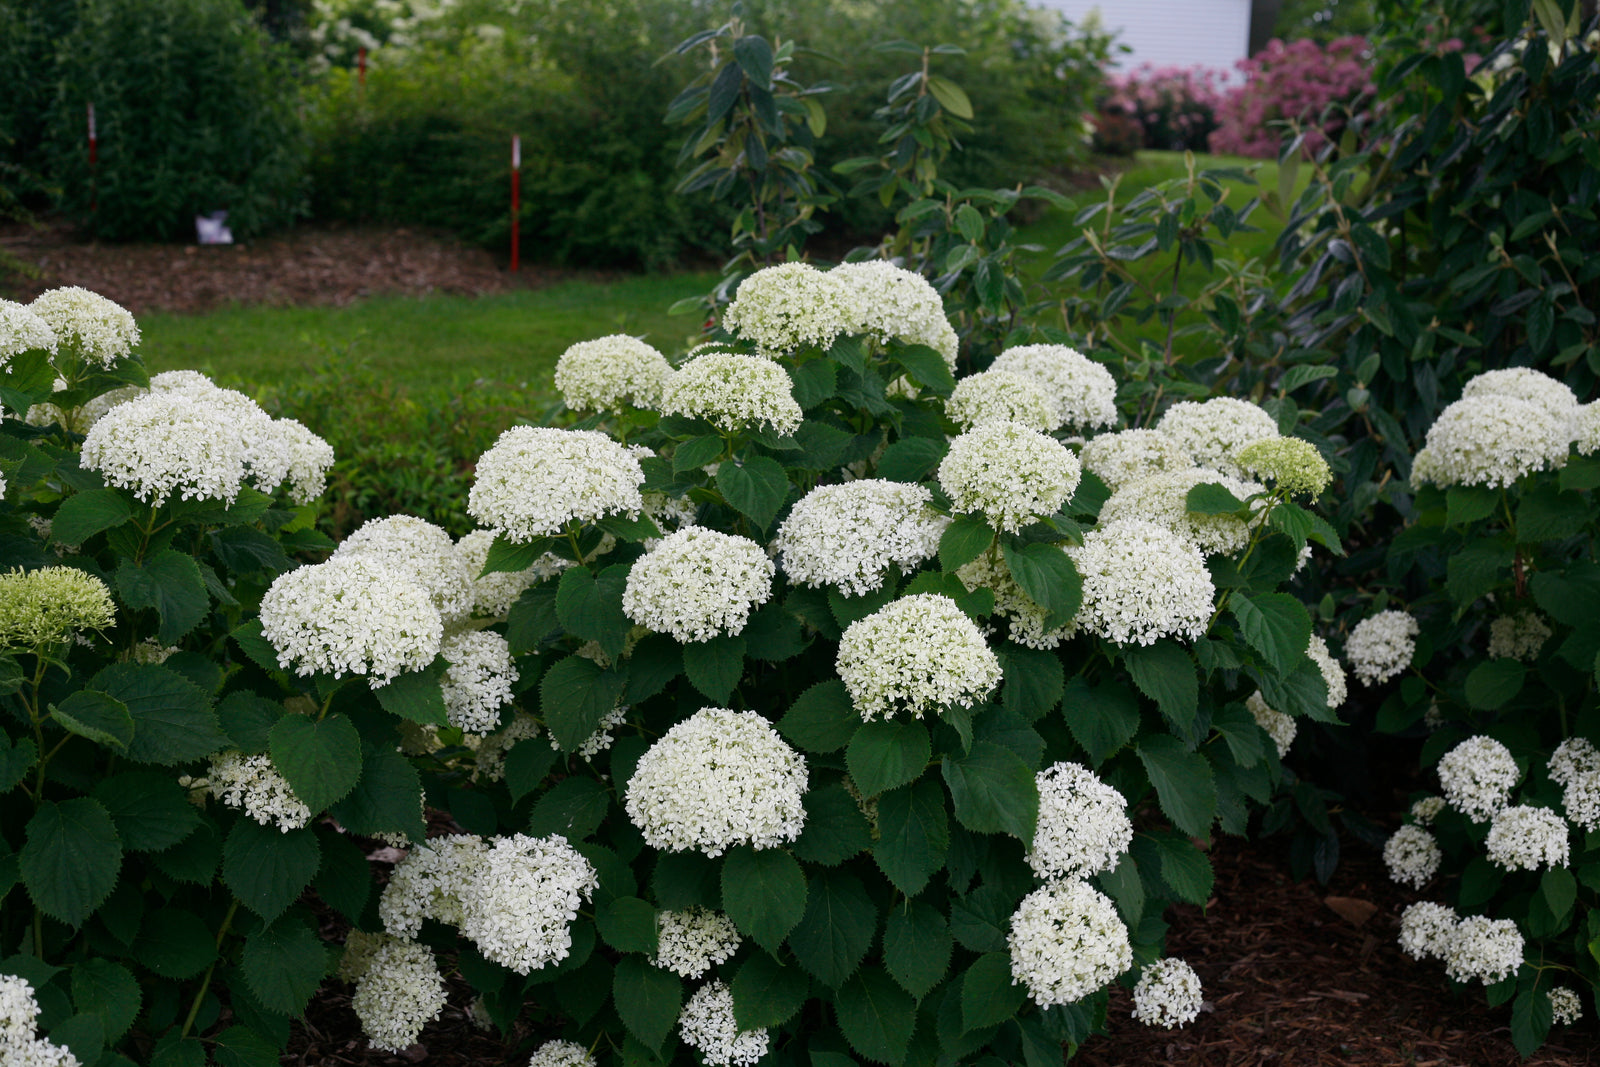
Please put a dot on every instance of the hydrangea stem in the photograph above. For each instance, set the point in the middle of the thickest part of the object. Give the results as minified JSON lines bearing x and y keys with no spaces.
{"x":205,"y":983}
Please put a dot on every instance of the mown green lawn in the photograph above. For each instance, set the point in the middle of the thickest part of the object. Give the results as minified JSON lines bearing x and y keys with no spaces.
{"x":424,"y":343}
{"x":436,"y":342}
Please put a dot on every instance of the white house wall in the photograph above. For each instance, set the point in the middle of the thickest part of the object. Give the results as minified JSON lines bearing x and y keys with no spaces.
{"x":1212,"y":33}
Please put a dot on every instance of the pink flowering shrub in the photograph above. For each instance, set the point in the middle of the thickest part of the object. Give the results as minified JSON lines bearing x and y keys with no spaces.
{"x":1174,"y":107}
{"x":1293,"y":81}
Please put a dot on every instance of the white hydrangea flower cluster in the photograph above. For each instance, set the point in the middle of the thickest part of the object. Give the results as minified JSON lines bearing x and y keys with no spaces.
{"x":423,"y":551}
{"x":1332,"y":674}
{"x":1141,"y":582}
{"x":1425,"y":929}
{"x":1426,"y":810}
{"x":1381,"y":647}
{"x":849,"y":535}
{"x":561,"y":1054}
{"x":1477,"y":776}
{"x":96,"y":330}
{"x":1584,"y":428}
{"x":612,"y":373}
{"x":602,"y":738}
{"x":1491,"y":440}
{"x":1526,"y":838}
{"x":359,"y":948}
{"x":164,"y":443}
{"x":1213,"y":431}
{"x":479,"y":680}
{"x":1083,"y":826}
{"x":733,"y":392}
{"x":490,"y":754}
{"x":351,"y":614}
{"x":1001,"y":396}
{"x":1523,"y":383}
{"x":493,"y":594}
{"x":707,"y":1025}
{"x":1012,"y":474}
{"x":22,"y":330}
{"x":400,"y":993}
{"x":1067,"y":941}
{"x":1026,"y":618}
{"x":20,"y":1046}
{"x":1168,"y":994}
{"x":892,"y":302}
{"x":718,"y":779}
{"x":79,"y":419}
{"x":1121,"y":457}
{"x":1412,"y":856}
{"x":689,"y":942}
{"x":1280,"y":727}
{"x":1164,"y":499}
{"x":427,"y":883}
{"x":1575,"y":766}
{"x":915,"y":654}
{"x":519,"y":904}
{"x":1518,"y":636}
{"x":782,"y":308}
{"x":310,"y":458}
{"x":1487,"y":949}
{"x":254,"y":785}
{"x":537,"y":479}
{"x":1083,"y":392}
{"x":1565,"y":1007}
{"x":698,"y":584}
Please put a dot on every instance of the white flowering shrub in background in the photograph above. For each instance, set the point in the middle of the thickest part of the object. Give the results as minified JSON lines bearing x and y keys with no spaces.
{"x":1497,"y":662}
{"x":754,"y":682}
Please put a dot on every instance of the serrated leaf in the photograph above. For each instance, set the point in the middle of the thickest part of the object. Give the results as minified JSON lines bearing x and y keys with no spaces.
{"x":1102,"y":718}
{"x":1164,"y":672}
{"x":714,"y":667}
{"x":107,"y":990}
{"x":1275,"y":624}
{"x":173,"y":721}
{"x":647,"y":998}
{"x":911,"y":459}
{"x":834,"y":934}
{"x":964,"y":540}
{"x":574,"y":808}
{"x":756,"y":488}
{"x":590,"y":606}
{"x":1210,"y":498}
{"x":15,"y":761}
{"x":70,"y":859}
{"x":576,"y":695}
{"x":240,"y":1046}
{"x":509,"y":557}
{"x":1183,"y":783}
{"x":168,"y":582}
{"x":527,"y":763}
{"x":1466,"y":504}
{"x":926,"y":367}
{"x":83,"y":515}
{"x":1034,"y":680}
{"x":627,"y":924}
{"x":1560,"y":891}
{"x":387,"y":799}
{"x":343,"y":881}
{"x":150,"y":810}
{"x":764,"y":893}
{"x":766,"y":993}
{"x":989,"y":997}
{"x":913,"y":834}
{"x":83,"y":1035}
{"x":194,"y":859}
{"x":917,"y":946}
{"x":417,"y":695}
{"x":320,"y":759}
{"x":248,"y":636}
{"x":284,"y":964}
{"x":1047,"y":575}
{"x":835,"y":830}
{"x":248,"y":719}
{"x":822,"y":719}
{"x":993,"y":791}
{"x":1185,"y":869}
{"x":1475,"y":571}
{"x":268,"y":869}
{"x":888,"y":753}
{"x":100,"y":718}
{"x":1530,"y":1018}
{"x":876,"y":1016}
{"x":1494,"y":682}
{"x":532,"y":618}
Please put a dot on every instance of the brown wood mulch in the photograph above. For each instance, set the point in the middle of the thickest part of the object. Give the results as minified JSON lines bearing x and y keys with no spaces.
{"x":309,"y":265}
{"x":1296,"y":975}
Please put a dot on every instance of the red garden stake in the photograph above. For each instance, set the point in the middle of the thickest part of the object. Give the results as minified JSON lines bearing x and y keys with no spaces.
{"x":361,"y":66}
{"x":516,"y":199}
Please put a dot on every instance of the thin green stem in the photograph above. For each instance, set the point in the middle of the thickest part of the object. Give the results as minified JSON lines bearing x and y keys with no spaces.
{"x":205,"y":983}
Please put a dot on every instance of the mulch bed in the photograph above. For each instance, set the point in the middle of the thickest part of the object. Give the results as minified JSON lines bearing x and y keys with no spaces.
{"x":310,"y":265}
{"x":1296,"y":975}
